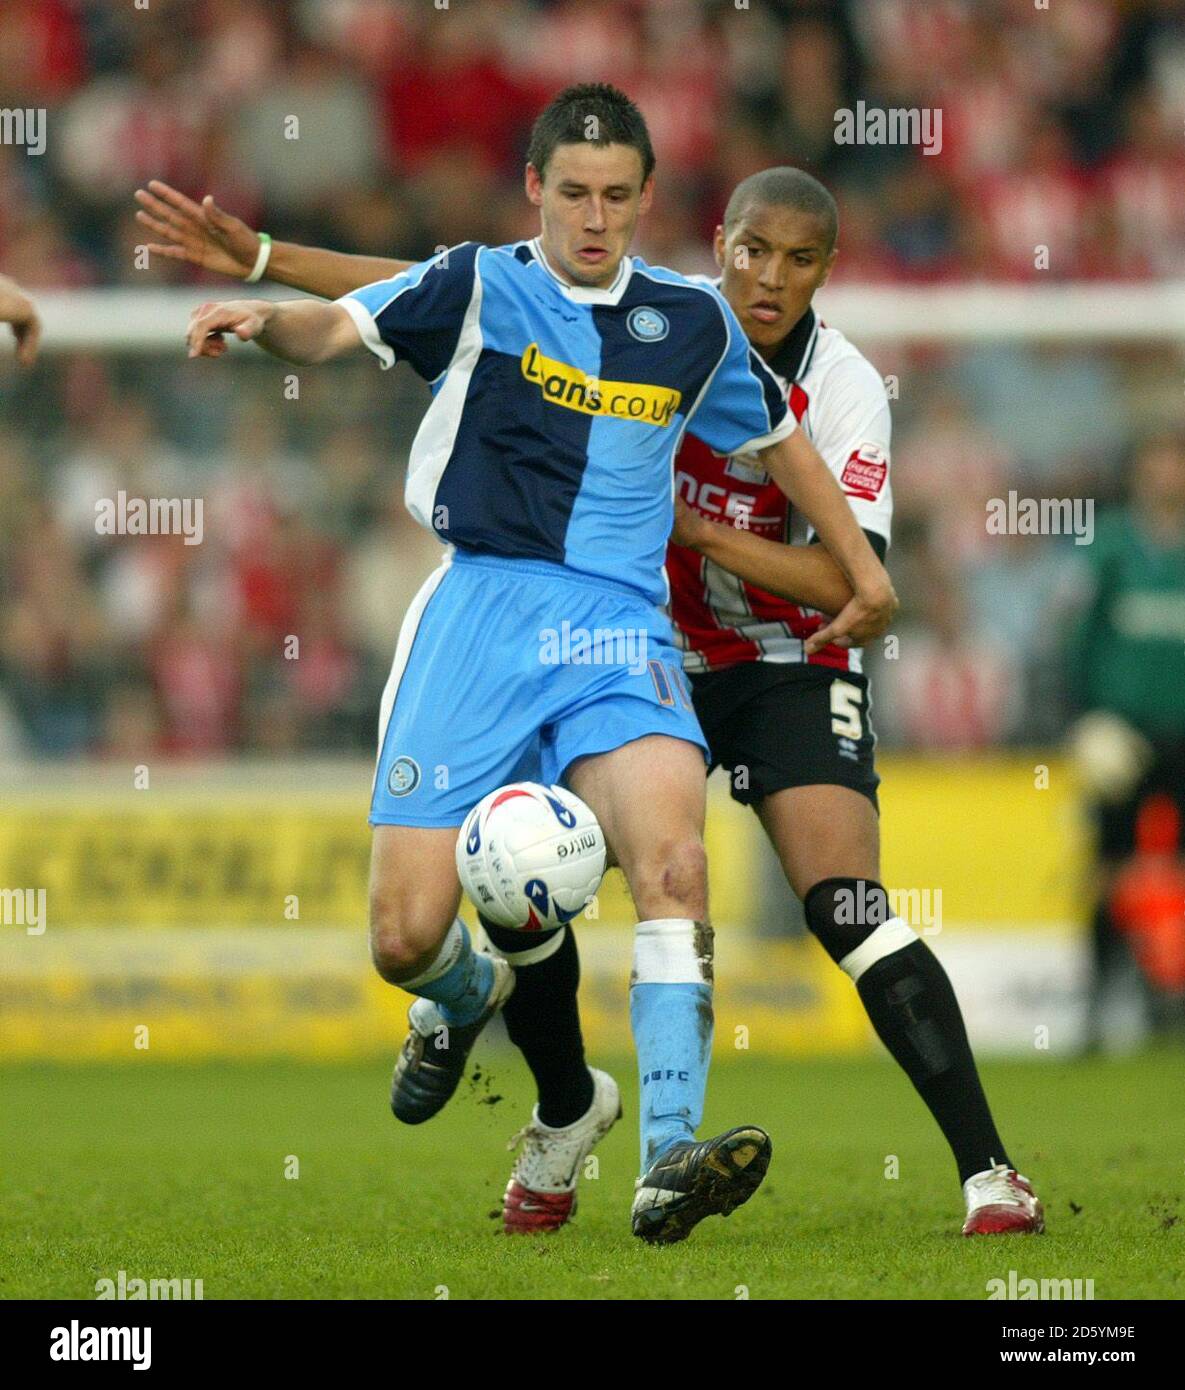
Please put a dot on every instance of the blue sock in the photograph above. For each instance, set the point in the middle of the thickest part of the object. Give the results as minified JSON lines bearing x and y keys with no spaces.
{"x":671,"y":1017}
{"x":458,"y":981}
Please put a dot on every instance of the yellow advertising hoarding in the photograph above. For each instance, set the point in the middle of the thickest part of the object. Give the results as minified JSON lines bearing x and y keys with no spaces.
{"x":226,"y":915}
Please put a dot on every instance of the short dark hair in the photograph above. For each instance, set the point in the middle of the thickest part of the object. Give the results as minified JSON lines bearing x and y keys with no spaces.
{"x":615,"y":120}
{"x":784,"y":187}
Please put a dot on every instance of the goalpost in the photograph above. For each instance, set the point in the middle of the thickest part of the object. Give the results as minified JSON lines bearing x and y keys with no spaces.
{"x":114,"y":320}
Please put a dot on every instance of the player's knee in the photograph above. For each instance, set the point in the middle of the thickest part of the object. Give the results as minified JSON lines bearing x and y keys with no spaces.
{"x":404,"y":935}
{"x":854,"y":922}
{"x":672,"y":874}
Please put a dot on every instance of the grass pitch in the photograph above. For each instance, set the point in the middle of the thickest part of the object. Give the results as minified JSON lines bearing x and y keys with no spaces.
{"x":178,"y":1171}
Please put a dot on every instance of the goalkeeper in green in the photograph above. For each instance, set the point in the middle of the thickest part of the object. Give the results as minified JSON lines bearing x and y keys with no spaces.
{"x":1126,"y":674}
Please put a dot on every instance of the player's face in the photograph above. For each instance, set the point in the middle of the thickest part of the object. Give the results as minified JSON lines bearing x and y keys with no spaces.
{"x":773,"y":260}
{"x":589,"y":201}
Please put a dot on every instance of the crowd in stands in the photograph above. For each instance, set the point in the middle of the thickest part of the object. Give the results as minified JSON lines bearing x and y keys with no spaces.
{"x":1061,"y":127}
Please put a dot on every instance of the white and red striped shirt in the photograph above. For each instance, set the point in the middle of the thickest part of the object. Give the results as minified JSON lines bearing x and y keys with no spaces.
{"x":838,"y":397}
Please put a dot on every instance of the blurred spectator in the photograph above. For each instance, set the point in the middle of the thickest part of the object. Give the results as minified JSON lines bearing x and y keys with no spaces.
{"x":382,"y":575}
{"x":1009,"y":388}
{"x":950,"y":687}
{"x":1060,"y":129}
{"x":54,"y":653}
{"x":1060,"y":126}
{"x":947,"y":467}
{"x":1022,"y":593}
{"x":306,"y":134}
{"x":1142,"y":186}
{"x":125,"y":127}
{"x":42,"y":51}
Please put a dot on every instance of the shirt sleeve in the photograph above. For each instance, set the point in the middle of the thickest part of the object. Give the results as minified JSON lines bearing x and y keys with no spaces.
{"x":742,"y":408}
{"x":419,"y":314}
{"x":851,"y":428}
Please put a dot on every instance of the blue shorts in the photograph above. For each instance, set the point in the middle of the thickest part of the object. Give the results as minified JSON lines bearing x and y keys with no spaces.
{"x":510,"y":670}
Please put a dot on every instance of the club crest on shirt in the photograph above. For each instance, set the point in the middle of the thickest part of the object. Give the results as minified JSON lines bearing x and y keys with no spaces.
{"x":404,"y":776}
{"x":648,"y":325}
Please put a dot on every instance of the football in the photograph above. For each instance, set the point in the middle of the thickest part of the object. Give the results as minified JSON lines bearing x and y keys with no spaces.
{"x":530,"y":857}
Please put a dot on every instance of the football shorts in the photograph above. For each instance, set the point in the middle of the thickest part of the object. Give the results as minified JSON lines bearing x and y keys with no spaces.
{"x":773,"y":726}
{"x":510,"y":670}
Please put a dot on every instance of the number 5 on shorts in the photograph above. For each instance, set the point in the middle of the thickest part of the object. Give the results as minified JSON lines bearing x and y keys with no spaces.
{"x":845,"y":710}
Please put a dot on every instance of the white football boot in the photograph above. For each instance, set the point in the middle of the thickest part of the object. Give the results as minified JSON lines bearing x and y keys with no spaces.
{"x":1000,"y":1202}
{"x":541,"y":1194}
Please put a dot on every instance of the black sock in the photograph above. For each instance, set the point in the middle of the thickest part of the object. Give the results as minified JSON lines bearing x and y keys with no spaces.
{"x":913,"y":1008}
{"x":544,"y":1023}
{"x":909,"y":999}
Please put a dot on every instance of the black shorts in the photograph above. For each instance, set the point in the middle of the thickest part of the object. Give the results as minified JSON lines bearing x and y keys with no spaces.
{"x":774,"y":726}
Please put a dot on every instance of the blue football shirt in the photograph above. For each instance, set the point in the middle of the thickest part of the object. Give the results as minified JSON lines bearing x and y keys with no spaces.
{"x":557,"y":409}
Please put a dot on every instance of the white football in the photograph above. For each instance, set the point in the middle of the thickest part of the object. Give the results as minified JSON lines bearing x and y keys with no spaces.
{"x":530,"y":857}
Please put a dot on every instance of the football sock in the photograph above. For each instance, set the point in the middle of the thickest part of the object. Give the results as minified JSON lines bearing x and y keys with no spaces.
{"x":912,"y":1006}
{"x":458,"y":981}
{"x":543,"y":1020}
{"x":671,"y":1017}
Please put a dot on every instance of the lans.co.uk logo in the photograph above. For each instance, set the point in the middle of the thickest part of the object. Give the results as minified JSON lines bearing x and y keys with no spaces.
{"x":573,"y":389}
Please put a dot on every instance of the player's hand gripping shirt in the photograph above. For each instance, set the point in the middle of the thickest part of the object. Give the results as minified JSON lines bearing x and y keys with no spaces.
{"x":556,"y":409}
{"x":839,"y":399}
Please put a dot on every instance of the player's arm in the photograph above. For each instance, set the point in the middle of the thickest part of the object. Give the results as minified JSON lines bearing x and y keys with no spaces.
{"x":205,"y":235}
{"x":742,"y":409}
{"x":416,"y":316}
{"x":805,"y":574}
{"x":18,"y":311}
{"x":797,"y":468}
{"x":298,"y":330}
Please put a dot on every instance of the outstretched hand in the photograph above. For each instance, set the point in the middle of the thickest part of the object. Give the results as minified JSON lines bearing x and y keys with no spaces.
{"x":245,"y":318}
{"x":200,"y":233}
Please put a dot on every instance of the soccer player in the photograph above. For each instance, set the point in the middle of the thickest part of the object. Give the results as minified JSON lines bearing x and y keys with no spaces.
{"x":1126,"y":657}
{"x":19,"y":312}
{"x":564,"y":374}
{"x":788,"y":718}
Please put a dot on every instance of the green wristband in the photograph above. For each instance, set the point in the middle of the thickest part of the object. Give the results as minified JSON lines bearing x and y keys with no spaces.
{"x":261,"y":260}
